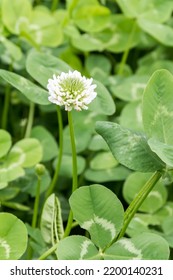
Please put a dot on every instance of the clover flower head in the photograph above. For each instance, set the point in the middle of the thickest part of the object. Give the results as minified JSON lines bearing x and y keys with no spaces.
{"x":71,"y":90}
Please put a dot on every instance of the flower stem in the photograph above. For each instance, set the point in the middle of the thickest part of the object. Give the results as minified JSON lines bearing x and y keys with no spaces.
{"x":138,"y":200}
{"x":75,"y":177}
{"x":30,"y":120}
{"x":54,"y":5}
{"x":56,"y":174}
{"x":36,"y":204}
{"x":6,"y":102}
{"x":6,"y":107}
{"x":126,"y":52}
{"x":35,"y":214}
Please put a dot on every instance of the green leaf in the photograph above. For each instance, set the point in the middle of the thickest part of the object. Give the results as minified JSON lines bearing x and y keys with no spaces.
{"x":118,"y":173}
{"x":83,"y":132}
{"x":5,"y":142}
{"x":142,"y":223}
{"x":13,"y":237}
{"x":97,"y":143}
{"x":30,"y":90}
{"x":46,"y":65}
{"x":84,"y":127}
{"x":130,"y":149}
{"x":14,"y":51}
{"x":32,"y":151}
{"x":3,"y":185}
{"x":16,"y":14}
{"x":146,"y":68}
{"x":158,"y":107}
{"x":103,"y":103}
{"x":72,"y":59}
{"x":10,"y":172}
{"x":167,"y":228}
{"x":36,"y":241}
{"x":87,"y":42}
{"x":103,"y":160}
{"x":42,"y":28}
{"x":129,"y":88}
{"x":167,"y":225}
{"x":97,"y":61}
{"x":161,"y":32}
{"x":51,"y":221}
{"x":8,"y":193}
{"x":145,"y":246}
{"x":49,"y":145}
{"x":164,"y":151}
{"x":99,"y":211}
{"x":155,"y":199}
{"x":66,"y":165}
{"x":77,"y":248}
{"x":131,"y":116}
{"x":28,"y":183}
{"x":115,"y":38}
{"x":165,"y":211}
{"x":91,"y":17}
{"x":155,"y":10}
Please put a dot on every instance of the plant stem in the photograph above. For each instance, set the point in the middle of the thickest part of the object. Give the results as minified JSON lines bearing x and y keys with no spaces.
{"x":37,"y":2}
{"x":48,"y":252}
{"x":54,"y":5}
{"x":126,"y":52}
{"x":36,"y":204}
{"x":138,"y":200}
{"x":6,"y":107}
{"x":35,"y":214}
{"x":6,"y":102}
{"x":30,"y":120}
{"x":75,"y":177}
{"x":59,"y":160}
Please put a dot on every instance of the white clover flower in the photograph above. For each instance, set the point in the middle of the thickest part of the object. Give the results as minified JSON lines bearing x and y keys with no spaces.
{"x":71,"y":90}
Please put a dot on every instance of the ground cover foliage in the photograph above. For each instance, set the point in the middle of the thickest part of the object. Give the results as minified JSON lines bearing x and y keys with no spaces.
{"x":107,"y":194}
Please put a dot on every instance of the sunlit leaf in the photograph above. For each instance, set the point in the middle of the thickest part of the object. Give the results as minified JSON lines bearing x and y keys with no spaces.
{"x":145,"y":246}
{"x":32,"y":151}
{"x":49,"y":145}
{"x":5,"y":142}
{"x":158,"y":107}
{"x":77,"y":248}
{"x":99,"y":211}
{"x":13,"y":237}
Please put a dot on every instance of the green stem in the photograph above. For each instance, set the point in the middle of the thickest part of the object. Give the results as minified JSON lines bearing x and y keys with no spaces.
{"x":126,"y":52}
{"x":48,"y":252}
{"x":36,"y":204}
{"x":35,"y":214}
{"x":138,"y":200}
{"x":56,"y":174}
{"x":37,"y":2}
{"x":6,"y":107}
{"x":54,"y":5}
{"x":6,"y":102}
{"x":30,"y":120}
{"x":75,"y":177}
